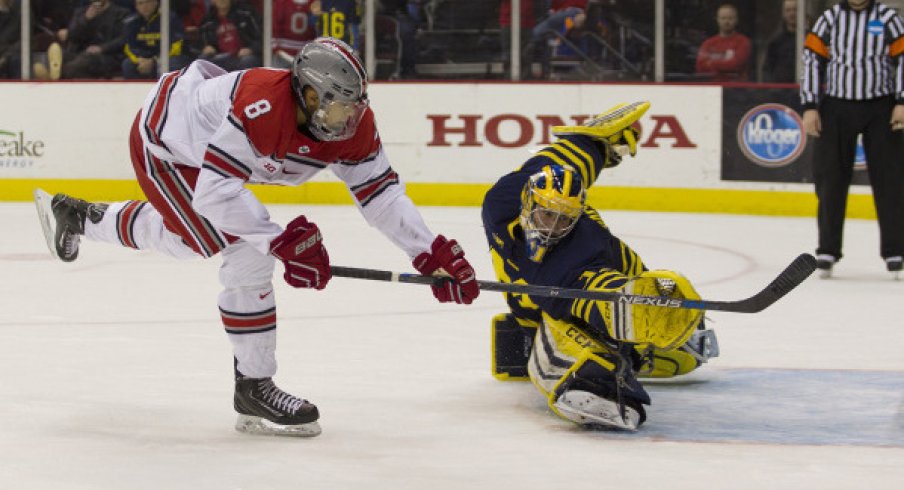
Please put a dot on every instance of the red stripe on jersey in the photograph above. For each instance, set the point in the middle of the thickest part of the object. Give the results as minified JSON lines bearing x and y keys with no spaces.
{"x":365,"y":192}
{"x":219,"y":163}
{"x":180,"y":203}
{"x":248,"y":322}
{"x":158,"y":107}
{"x":124,"y":224}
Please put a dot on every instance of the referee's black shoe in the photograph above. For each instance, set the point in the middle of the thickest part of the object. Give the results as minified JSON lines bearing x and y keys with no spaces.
{"x":824,"y":263}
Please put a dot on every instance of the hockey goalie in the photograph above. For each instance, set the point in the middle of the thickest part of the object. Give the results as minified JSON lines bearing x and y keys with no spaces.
{"x":585,"y":356}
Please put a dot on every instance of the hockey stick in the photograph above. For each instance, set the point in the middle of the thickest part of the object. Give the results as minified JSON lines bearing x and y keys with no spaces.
{"x":790,"y":278}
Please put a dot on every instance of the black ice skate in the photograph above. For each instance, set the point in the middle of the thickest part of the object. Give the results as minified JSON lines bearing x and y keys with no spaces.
{"x":895,"y":265}
{"x":63,"y":220}
{"x":824,"y":264}
{"x":265,"y":409}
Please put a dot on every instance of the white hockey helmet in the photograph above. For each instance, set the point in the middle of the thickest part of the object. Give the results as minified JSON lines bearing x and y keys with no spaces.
{"x":331,"y":68}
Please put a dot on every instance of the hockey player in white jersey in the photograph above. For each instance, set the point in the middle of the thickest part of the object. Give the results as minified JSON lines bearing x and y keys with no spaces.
{"x":201,"y":135}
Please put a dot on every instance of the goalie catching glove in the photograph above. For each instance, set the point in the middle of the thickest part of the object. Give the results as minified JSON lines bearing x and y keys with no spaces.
{"x":301,"y":249}
{"x":613,"y":129}
{"x":662,"y":327}
{"x":640,"y":322}
{"x":448,"y":259}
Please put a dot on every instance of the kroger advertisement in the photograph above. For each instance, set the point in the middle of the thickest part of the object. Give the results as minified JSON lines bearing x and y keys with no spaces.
{"x":763,"y":138}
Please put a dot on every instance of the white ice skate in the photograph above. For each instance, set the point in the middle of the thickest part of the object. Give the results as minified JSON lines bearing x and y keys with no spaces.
{"x":585,"y":408}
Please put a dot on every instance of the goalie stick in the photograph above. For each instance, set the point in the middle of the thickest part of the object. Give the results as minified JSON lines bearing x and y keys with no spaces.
{"x":796,"y":272}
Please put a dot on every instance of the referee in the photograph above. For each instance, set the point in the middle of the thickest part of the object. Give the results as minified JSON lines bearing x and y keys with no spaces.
{"x":854,"y":51}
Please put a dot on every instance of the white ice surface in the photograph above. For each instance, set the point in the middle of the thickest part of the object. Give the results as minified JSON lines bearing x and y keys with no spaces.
{"x":115,"y":372}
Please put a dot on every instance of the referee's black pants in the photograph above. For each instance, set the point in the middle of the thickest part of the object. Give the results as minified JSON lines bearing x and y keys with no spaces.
{"x":833,"y":167}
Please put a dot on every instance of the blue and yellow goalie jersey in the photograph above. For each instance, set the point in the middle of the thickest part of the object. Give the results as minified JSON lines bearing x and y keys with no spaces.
{"x":590,"y":256}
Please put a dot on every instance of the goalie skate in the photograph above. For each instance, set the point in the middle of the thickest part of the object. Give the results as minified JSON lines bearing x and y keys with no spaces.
{"x":587,"y":409}
{"x":267,"y":410}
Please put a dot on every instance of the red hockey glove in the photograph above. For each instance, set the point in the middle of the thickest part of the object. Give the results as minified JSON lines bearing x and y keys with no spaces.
{"x":449,"y":259}
{"x":301,"y":249}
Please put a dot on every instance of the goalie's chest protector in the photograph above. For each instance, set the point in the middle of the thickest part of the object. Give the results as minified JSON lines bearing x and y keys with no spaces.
{"x":587,"y":248}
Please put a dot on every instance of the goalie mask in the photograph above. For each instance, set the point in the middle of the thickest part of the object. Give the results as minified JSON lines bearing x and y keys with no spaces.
{"x":330,"y":67}
{"x":551,"y":203}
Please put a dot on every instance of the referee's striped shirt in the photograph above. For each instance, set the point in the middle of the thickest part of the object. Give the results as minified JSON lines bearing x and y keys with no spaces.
{"x":858,"y":53}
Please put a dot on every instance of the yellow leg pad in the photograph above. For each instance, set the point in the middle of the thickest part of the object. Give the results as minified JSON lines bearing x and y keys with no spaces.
{"x":667,"y":364}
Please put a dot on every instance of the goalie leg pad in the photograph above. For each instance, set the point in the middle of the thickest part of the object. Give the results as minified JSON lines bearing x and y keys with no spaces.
{"x":512,"y":344}
{"x":700,"y":348}
{"x":586,"y":382}
{"x":660,"y":363}
{"x":600,"y":390}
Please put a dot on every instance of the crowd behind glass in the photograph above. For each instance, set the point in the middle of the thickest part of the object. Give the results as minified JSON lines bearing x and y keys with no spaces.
{"x":587,"y":40}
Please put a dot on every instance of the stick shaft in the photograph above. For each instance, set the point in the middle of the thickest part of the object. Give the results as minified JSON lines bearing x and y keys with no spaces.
{"x":788,"y":279}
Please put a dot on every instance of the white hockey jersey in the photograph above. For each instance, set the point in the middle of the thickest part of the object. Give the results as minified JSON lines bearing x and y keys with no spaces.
{"x":241,"y":127}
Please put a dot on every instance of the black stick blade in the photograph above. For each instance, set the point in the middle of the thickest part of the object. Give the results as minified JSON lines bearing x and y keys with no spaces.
{"x":797,"y":272}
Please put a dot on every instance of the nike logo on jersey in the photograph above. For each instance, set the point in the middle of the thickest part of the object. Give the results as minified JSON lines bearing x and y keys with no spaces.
{"x":262,"y":296}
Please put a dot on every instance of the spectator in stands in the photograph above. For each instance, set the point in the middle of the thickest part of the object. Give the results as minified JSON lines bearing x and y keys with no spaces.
{"x":10,"y":28}
{"x":780,"y":63}
{"x":192,"y":13}
{"x":51,"y":29}
{"x":559,"y":11}
{"x":231,"y":35}
{"x":339,"y":19}
{"x":293,"y":27}
{"x":725,"y":56}
{"x":258,"y":5}
{"x":409,"y":15}
{"x":142,"y":42}
{"x":566,"y":18}
{"x":126,"y":4}
{"x":94,"y":44}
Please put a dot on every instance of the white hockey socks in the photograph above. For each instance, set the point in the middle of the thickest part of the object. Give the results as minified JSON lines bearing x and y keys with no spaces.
{"x":136,"y":224}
